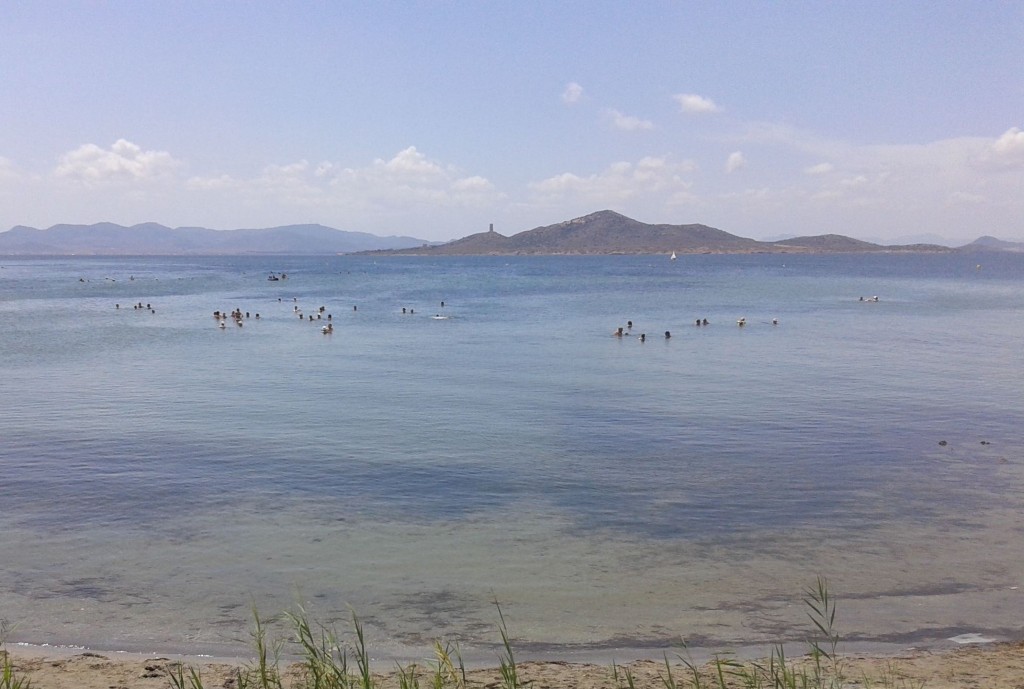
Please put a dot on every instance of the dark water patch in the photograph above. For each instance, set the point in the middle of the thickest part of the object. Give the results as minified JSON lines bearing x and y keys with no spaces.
{"x":107,"y":590}
{"x":62,"y":481}
{"x":434,"y":610}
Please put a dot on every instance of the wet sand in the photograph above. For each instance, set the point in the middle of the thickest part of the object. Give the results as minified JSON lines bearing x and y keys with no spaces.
{"x":985,"y":666}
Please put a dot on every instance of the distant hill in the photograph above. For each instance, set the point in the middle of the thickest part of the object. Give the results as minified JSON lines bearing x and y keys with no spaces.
{"x":827,"y":242}
{"x":608,"y":232}
{"x":108,"y":239}
{"x":603,"y":232}
{"x":988,"y":243}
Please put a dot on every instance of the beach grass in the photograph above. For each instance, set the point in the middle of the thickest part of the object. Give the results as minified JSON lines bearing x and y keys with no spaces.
{"x":506,"y":658}
{"x":9,"y":679}
{"x":326,"y":661}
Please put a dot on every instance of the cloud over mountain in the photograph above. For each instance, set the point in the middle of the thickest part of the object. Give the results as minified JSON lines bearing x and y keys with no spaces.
{"x":650,"y":176}
{"x":124,"y":160}
{"x":811,"y":182}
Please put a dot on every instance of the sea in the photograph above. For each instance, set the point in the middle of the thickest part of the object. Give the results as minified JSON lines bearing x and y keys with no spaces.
{"x":473,"y":443}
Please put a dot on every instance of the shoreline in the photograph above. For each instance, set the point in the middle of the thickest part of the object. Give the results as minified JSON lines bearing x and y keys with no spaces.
{"x":994,"y":665}
{"x":484,"y":655}
{"x":480,"y":656}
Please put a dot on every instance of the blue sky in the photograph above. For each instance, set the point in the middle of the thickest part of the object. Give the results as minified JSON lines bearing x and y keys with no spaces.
{"x":878,"y":120}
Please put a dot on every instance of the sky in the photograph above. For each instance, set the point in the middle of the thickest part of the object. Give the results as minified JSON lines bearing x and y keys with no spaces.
{"x":880,"y":120}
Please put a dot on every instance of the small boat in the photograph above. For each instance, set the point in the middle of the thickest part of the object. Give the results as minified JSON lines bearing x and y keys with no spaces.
{"x":273,"y":278}
{"x":672,"y":257}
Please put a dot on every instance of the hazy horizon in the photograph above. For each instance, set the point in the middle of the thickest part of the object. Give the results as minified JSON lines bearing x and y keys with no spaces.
{"x":876,"y":120}
{"x":922,"y":238}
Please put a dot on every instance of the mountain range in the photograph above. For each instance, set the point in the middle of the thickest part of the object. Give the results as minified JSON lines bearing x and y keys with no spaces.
{"x":603,"y":232}
{"x":108,"y":239}
{"x":607,"y":232}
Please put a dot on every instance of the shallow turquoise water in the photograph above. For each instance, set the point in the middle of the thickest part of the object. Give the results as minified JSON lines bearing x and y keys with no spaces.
{"x":158,"y":473}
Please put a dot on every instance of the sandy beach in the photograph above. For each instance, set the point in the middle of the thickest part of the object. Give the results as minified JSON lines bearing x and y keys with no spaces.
{"x":987,"y":666}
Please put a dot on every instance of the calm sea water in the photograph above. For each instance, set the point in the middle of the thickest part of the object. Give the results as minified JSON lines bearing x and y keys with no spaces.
{"x":160,"y":475}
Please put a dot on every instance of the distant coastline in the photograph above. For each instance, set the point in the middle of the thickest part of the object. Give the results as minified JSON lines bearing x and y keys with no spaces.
{"x":607,"y":233}
{"x":604,"y":233}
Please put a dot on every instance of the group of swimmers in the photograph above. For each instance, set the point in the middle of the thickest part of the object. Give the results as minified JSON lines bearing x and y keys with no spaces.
{"x":139,"y":307}
{"x":700,"y":322}
{"x":320,"y":314}
{"x":625,"y":332}
{"x":237,"y":315}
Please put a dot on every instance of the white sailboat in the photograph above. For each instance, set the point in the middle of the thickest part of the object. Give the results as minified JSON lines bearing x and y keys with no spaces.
{"x":673,"y":256}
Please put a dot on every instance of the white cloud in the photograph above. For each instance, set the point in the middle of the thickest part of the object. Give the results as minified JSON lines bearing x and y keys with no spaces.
{"x":406,"y":193}
{"x":693,"y":104}
{"x":819,"y":169}
{"x":1011,"y":143}
{"x":958,"y":187}
{"x":294,"y":183}
{"x":951,"y":186}
{"x":649,"y":178}
{"x":1006,"y":152}
{"x":408,"y":180}
{"x":734,"y":162}
{"x":285,"y":171}
{"x":628,"y":122}
{"x":572,"y":94}
{"x":474,"y":183}
{"x":410,"y":163}
{"x":123,"y":161}
{"x":324,"y":169}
